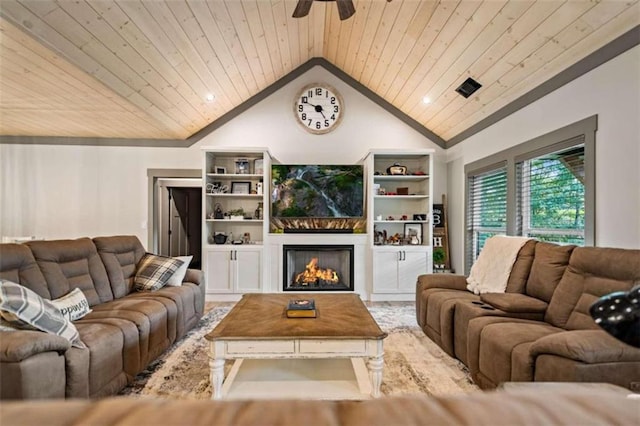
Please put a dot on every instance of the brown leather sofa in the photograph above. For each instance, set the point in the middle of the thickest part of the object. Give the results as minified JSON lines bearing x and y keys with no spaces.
{"x":540,"y":328}
{"x":533,"y":407}
{"x":125,"y":331}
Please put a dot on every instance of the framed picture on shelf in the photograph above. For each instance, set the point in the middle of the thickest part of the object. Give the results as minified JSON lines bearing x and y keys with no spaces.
{"x":240,"y":187}
{"x":242,"y":166}
{"x":413,"y":233}
{"x":221,"y":170}
{"x":258,"y":166}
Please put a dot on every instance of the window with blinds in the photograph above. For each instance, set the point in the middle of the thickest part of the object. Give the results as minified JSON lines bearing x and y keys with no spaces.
{"x":486,"y":209}
{"x":551,"y":196}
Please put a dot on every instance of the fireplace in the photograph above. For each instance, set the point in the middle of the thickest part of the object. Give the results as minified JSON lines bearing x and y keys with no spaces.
{"x":318,"y":268}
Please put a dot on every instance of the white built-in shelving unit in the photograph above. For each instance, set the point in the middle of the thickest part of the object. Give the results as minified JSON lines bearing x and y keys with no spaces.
{"x":384,"y":271}
{"x":396,"y":263}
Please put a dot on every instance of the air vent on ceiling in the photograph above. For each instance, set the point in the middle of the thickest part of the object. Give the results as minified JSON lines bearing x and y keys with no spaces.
{"x":469,"y":87}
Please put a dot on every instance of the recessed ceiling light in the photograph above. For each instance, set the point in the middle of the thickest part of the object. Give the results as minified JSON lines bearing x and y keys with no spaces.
{"x":426,"y":100}
{"x":210,"y":97}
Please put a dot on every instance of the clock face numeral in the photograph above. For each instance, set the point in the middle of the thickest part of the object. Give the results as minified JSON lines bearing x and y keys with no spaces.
{"x":318,"y":108}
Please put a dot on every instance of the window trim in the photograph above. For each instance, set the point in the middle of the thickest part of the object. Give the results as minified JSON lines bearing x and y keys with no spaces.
{"x":563,"y":137}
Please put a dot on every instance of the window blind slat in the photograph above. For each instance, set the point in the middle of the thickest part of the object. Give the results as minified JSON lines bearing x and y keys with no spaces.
{"x":486,"y":209}
{"x":550,"y":196}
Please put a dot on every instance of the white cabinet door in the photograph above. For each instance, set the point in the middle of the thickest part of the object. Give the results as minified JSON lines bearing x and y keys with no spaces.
{"x":411,"y":265}
{"x":385,"y":270}
{"x":395,"y":270}
{"x":219,"y":271}
{"x":248,"y":268}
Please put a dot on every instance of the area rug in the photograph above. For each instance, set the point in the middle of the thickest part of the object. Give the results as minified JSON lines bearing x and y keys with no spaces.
{"x":412,"y":362}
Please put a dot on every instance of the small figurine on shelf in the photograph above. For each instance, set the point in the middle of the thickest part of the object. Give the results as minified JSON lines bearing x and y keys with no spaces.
{"x":217,"y":213}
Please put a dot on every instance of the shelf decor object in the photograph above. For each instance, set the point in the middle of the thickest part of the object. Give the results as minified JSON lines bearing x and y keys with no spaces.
{"x":240,"y":187}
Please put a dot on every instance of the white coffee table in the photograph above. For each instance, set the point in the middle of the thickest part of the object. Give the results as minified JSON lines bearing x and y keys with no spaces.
{"x":338,"y":355}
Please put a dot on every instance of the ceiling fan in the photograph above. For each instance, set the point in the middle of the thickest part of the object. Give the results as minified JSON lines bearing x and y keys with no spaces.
{"x":345,"y":8}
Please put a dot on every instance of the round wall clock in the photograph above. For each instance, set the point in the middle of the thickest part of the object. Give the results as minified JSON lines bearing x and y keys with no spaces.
{"x":318,"y":108}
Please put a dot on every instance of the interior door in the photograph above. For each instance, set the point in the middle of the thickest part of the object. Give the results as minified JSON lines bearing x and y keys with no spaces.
{"x":180,"y":219}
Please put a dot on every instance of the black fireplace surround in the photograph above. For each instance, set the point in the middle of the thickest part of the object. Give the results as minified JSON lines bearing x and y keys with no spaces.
{"x":317,"y":267}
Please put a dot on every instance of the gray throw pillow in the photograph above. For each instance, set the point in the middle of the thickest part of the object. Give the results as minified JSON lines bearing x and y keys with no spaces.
{"x":154,"y":271}
{"x":25,"y":309}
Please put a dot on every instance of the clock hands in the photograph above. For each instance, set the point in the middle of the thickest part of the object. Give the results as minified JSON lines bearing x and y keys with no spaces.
{"x":319,"y":109}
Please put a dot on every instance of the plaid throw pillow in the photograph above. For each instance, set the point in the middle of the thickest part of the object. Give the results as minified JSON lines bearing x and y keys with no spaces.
{"x":154,"y":272}
{"x":25,"y":309}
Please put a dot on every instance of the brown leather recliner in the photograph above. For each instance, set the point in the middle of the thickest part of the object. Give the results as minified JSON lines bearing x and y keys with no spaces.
{"x":124,"y":333}
{"x":527,"y":335}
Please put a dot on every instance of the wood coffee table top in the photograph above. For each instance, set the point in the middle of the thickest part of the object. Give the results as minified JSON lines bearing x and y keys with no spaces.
{"x":263,"y":316}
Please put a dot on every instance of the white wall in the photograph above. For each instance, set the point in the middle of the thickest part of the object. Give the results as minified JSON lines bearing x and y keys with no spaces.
{"x":612,"y":91}
{"x":69,"y":191}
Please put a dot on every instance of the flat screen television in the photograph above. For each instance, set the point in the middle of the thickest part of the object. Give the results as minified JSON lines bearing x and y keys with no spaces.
{"x":317,"y":191}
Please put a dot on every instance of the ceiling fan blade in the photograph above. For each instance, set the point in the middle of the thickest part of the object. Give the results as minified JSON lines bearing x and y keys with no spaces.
{"x":302,"y":8}
{"x":345,"y":9}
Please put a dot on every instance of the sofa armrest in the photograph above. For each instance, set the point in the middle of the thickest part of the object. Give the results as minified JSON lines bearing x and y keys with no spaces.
{"x":587,"y":346}
{"x":446,"y":281}
{"x":514,"y":303}
{"x":195,"y":276}
{"x":19,"y":345}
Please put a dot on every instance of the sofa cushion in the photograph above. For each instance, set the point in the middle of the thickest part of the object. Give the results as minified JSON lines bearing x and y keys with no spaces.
{"x":176,"y":279}
{"x":549,"y":264}
{"x":69,"y":264}
{"x":514,"y":302}
{"x":521,"y":268}
{"x":592,"y":273}
{"x":154,"y":271}
{"x":18,"y":265}
{"x":72,"y":306}
{"x":19,"y":305}
{"x":120,"y":255}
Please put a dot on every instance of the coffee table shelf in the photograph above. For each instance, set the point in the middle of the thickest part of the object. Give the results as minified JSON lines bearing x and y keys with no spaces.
{"x":298,"y":378}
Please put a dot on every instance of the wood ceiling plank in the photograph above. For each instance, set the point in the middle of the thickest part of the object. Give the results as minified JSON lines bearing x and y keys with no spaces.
{"x":538,"y":12}
{"x":348,"y":50}
{"x":271,"y":36}
{"x":280,"y":20}
{"x":447,"y":34}
{"x":240,"y":24}
{"x":373,"y":19}
{"x":469,"y":33}
{"x":410,"y":38}
{"x":592,"y":41}
{"x":332,"y":36}
{"x":514,"y":65}
{"x":255,"y":26}
{"x":292,"y":32}
{"x":361,"y":18}
{"x":159,"y":90}
{"x":385,"y":28}
{"x":68,"y":78}
{"x":346,"y":28}
{"x":459,"y":70}
{"x":41,"y":83}
{"x":229,"y":76}
{"x":317,"y":28}
{"x":222,"y":18}
{"x":414,"y":57}
{"x":26,"y":20}
{"x":406,"y":16}
{"x":303,"y":37}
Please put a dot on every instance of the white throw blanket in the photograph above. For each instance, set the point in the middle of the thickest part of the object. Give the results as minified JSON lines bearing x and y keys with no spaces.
{"x":491,"y":270}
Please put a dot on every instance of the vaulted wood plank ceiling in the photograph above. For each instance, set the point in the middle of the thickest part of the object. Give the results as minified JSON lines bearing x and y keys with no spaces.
{"x":143,"y":69}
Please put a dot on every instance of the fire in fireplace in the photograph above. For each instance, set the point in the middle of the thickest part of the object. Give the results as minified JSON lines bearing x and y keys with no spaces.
{"x":318,"y":267}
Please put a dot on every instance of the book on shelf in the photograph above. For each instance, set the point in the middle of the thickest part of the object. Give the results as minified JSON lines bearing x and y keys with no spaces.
{"x":301,"y":308}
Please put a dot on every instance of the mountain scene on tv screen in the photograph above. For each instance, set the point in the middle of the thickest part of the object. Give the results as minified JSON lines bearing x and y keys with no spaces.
{"x":317,"y":191}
